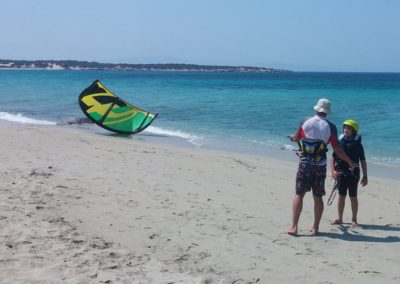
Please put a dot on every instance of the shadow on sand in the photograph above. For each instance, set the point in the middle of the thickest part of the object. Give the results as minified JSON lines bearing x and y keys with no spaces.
{"x":356,"y":234}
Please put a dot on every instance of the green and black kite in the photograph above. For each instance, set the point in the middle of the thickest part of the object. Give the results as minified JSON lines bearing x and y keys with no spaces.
{"x":112,"y":113}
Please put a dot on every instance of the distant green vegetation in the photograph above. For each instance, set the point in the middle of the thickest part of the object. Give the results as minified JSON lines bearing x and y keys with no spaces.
{"x":86,"y":65}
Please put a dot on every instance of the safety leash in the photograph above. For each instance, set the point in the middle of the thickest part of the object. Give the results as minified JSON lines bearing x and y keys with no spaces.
{"x":333,"y":193}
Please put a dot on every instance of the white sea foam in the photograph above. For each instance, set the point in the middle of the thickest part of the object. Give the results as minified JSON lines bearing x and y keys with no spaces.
{"x":194,"y":139}
{"x":289,"y":147}
{"x":19,"y":118}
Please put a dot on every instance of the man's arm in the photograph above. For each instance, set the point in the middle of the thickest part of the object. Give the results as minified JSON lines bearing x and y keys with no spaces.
{"x":297,"y":136}
{"x":334,"y":173}
{"x":342,"y":155}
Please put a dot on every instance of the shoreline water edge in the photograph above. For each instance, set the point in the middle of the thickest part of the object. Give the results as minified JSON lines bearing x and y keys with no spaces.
{"x":285,"y":152}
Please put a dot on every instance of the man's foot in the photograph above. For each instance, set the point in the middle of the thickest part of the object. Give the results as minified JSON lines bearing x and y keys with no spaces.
{"x":292,"y":231}
{"x":314,"y":230}
{"x":355,"y":223}
{"x":337,"y":222}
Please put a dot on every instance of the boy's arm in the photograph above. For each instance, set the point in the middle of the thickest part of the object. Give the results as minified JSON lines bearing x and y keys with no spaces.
{"x":364,"y":180}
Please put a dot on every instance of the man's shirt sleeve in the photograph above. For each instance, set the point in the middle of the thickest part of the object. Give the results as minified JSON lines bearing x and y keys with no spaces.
{"x":333,"y":138}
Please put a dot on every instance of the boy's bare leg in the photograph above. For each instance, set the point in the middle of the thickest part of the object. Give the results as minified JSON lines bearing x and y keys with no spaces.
{"x":354,"y":210}
{"x":340,"y":207}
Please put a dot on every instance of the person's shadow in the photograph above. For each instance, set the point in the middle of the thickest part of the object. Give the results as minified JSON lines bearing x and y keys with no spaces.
{"x":357,"y":236}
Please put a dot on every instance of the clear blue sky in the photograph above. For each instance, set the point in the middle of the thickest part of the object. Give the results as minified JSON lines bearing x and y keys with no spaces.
{"x":302,"y":35}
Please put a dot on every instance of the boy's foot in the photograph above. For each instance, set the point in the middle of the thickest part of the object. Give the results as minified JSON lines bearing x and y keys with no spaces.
{"x":314,"y":230}
{"x":354,"y":223}
{"x":337,"y":222}
{"x":292,"y":231}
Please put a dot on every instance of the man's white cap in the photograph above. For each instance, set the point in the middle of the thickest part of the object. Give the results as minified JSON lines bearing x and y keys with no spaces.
{"x":323,"y":105}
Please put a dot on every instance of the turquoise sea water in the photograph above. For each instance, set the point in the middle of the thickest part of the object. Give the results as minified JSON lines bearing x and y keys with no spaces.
{"x":249,"y":112}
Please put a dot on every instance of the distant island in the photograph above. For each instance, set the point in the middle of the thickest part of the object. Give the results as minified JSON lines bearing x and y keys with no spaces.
{"x":86,"y":65}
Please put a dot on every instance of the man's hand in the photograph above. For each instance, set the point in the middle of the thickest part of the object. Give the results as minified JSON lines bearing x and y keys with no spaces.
{"x":294,"y":138}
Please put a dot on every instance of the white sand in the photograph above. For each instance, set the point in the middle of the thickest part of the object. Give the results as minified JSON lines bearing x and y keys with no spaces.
{"x":78,"y":207}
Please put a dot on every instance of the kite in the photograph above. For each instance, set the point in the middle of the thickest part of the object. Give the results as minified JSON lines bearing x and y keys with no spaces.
{"x":111,"y":112}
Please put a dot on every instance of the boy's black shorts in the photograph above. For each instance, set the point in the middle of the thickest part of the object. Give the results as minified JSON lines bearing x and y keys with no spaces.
{"x":350,"y":183}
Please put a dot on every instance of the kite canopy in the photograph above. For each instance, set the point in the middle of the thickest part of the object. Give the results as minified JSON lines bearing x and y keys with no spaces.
{"x":112,"y":113}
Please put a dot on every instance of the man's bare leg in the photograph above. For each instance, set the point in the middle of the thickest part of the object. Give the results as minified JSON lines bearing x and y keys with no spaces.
{"x":297,"y":206}
{"x":318,"y":210}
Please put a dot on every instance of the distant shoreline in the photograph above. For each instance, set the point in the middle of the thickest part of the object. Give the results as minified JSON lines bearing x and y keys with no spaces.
{"x":6,"y":64}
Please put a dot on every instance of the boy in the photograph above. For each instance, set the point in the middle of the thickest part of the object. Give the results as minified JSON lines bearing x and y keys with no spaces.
{"x":350,"y":142}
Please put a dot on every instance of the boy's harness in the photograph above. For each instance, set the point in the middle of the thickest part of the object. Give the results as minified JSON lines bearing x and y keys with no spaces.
{"x":348,"y":145}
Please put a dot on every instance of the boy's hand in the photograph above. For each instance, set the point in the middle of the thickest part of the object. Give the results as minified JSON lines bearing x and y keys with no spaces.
{"x":364,"y":181}
{"x":336,"y":174}
{"x":294,"y":138}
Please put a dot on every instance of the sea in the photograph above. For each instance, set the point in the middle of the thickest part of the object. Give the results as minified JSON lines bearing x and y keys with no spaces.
{"x":249,"y":113}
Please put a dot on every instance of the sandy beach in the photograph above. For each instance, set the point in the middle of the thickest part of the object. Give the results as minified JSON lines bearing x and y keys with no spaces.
{"x":79,"y":207}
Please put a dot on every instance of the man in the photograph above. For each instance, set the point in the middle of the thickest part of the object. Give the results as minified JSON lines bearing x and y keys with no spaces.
{"x":313,"y":136}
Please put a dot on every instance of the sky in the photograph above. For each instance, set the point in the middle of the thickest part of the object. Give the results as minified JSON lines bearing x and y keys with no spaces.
{"x":299,"y":35}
